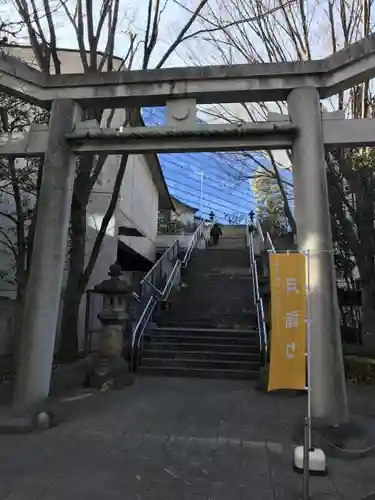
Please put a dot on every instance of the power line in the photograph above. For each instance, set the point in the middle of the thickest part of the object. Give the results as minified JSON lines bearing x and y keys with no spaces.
{"x":214,"y":196}
{"x":211,"y":191}
{"x":183,"y":163}
{"x":209,"y":208}
{"x":247,"y":201}
{"x":222,"y":180}
{"x":224,"y":163}
{"x":215,"y":182}
{"x":228,"y":204}
{"x":207,"y":203}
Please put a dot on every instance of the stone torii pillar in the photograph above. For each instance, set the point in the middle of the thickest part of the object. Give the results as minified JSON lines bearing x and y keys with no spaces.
{"x":329,"y":402}
{"x":48,"y":261}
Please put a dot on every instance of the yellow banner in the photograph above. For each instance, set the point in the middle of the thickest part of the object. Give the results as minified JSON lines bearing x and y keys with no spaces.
{"x":288,"y":321}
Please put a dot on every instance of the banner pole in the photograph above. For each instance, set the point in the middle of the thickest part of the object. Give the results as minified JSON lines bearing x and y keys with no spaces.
{"x":308,"y":334}
{"x":307,"y":459}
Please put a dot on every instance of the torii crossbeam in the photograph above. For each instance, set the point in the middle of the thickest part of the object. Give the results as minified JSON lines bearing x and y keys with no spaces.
{"x":207,"y":84}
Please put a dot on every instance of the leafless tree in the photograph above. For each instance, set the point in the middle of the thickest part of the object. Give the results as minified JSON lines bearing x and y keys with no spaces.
{"x":19,"y":192}
{"x":251,"y":31}
{"x":96,"y":26}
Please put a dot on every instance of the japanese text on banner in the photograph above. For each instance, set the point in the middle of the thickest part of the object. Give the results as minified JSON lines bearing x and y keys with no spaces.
{"x":288,"y":321}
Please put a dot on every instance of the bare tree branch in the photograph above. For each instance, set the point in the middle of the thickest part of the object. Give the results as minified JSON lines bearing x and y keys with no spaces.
{"x":181,"y":35}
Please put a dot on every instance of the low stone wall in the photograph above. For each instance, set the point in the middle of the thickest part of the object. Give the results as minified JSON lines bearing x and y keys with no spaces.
{"x":360,"y":370}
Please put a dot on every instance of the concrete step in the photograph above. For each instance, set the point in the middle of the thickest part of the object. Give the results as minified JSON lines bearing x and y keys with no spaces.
{"x":241,"y":261}
{"x":211,"y":325}
{"x":218,"y":254}
{"x":234,"y":321}
{"x":240,"y":285}
{"x":228,"y":273}
{"x":204,"y":332}
{"x":199,"y":364}
{"x":251,"y":357}
{"x":193,"y":303}
{"x":224,"y":289}
{"x":214,"y":267}
{"x":198,"y":372}
{"x":205,"y":307}
{"x":241,"y":324}
{"x":244,"y":325}
{"x":236,"y":242}
{"x":233,"y":256}
{"x":206,"y":310}
{"x":200,"y":339}
{"x":228,"y":245}
{"x":164,"y":321}
{"x":213,"y":295}
{"x":220,"y":347}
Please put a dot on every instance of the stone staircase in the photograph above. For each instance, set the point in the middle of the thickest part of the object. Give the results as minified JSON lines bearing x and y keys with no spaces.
{"x":210,"y":329}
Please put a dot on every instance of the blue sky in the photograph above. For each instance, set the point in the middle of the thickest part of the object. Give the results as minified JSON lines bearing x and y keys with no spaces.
{"x":225,"y":186}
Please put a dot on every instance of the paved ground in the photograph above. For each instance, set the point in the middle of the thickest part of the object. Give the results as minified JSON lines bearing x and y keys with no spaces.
{"x":172,"y":439}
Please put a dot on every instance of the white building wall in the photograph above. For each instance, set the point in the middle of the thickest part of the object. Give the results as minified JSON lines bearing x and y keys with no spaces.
{"x":142,"y":180}
{"x":183,"y":213}
{"x":138,"y":207}
{"x":166,"y":240}
{"x":186,"y":218}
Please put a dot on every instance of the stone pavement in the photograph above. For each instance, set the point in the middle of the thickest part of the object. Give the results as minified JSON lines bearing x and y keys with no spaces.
{"x":172,"y":439}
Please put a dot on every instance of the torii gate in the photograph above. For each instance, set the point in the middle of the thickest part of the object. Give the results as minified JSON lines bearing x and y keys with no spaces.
{"x":301,"y":84}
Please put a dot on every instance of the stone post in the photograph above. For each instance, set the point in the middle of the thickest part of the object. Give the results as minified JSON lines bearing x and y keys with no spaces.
{"x":37,"y":343}
{"x":329,"y":401}
{"x":108,"y":366}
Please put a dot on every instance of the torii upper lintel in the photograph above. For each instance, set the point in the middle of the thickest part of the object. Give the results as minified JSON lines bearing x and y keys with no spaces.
{"x":209,"y":84}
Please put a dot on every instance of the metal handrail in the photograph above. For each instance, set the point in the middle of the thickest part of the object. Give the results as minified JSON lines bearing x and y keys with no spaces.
{"x":142,"y":323}
{"x":163,"y":295}
{"x":270,"y":243}
{"x":258,"y":301}
{"x":141,"y":326}
{"x":146,"y":315}
{"x":193,"y":243}
{"x":260,"y":231}
{"x":158,"y":295}
{"x":171,"y":253}
{"x":171,"y":280}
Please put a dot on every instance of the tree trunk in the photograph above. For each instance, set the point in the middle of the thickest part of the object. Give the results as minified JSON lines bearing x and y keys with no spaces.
{"x":79,"y":276}
{"x":68,"y":348}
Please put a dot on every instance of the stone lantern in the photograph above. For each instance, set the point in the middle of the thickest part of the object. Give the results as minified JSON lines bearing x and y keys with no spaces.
{"x":108,"y":368}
